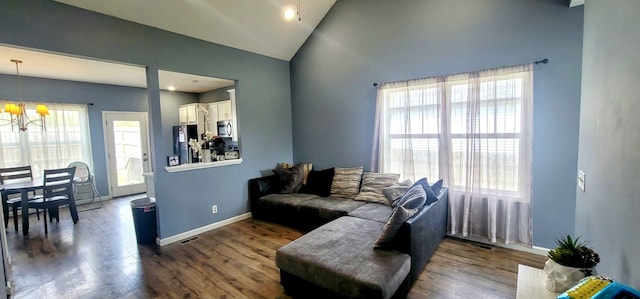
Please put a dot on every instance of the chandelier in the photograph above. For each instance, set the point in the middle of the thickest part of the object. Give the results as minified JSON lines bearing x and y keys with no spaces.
{"x":18,"y":111}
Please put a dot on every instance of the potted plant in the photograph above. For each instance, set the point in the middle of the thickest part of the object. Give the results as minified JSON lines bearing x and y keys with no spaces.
{"x":569,"y":262}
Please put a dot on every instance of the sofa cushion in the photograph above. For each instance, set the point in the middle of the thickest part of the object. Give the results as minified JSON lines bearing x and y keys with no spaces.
{"x":306,"y":169}
{"x":346,"y":182}
{"x":437,"y":187}
{"x":289,"y":179}
{"x":319,"y":182}
{"x":372,"y":185}
{"x":373,"y":211}
{"x":339,"y":256}
{"x":288,"y":200}
{"x":408,"y":205}
{"x":394,"y":192}
{"x":328,"y":208}
{"x":431,"y":196}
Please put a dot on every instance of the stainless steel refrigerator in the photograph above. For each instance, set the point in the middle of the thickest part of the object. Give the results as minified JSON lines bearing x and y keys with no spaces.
{"x":181,"y":136}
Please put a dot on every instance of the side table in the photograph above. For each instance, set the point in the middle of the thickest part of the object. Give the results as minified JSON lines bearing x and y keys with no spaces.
{"x":531,"y":284}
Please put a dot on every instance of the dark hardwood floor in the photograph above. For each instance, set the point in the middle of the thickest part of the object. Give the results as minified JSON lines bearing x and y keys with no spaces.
{"x":99,"y":258}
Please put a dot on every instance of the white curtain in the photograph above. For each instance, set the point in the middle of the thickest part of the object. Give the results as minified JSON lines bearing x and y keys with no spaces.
{"x":474,"y":130}
{"x":65,"y":140}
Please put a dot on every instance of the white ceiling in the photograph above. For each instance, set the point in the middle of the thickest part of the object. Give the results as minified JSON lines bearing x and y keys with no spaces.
{"x":63,"y":67}
{"x":252,"y":25}
{"x":55,"y":66}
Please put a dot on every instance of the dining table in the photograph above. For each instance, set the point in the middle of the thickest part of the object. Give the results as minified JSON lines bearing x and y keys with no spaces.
{"x":23,"y":188}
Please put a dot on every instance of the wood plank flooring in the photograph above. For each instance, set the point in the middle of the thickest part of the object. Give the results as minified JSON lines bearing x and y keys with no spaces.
{"x":99,"y":258}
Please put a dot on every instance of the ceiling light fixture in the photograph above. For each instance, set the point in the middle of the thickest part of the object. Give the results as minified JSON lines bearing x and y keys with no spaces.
{"x":171,"y":88}
{"x":18,"y":112}
{"x":288,"y":13}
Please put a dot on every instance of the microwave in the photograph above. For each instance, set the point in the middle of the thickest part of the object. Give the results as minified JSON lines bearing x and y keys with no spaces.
{"x":224,"y":128}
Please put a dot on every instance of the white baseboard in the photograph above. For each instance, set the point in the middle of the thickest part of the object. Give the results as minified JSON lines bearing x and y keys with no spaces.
{"x":197,"y":231}
{"x":534,"y":249}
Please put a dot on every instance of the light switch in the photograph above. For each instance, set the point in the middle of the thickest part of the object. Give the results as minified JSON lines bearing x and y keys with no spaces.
{"x":581,"y":180}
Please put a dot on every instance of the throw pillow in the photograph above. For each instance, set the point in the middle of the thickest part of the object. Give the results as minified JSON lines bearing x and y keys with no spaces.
{"x":372,"y":185}
{"x":319,"y":182}
{"x":431,"y":196}
{"x":412,"y":201}
{"x":437,"y":186}
{"x":395,"y":192}
{"x":346,"y":182}
{"x":306,"y":168}
{"x":289,"y":179}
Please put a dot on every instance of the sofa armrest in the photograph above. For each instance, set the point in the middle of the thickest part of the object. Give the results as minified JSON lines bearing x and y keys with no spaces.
{"x":259,"y":187}
{"x":421,"y":234}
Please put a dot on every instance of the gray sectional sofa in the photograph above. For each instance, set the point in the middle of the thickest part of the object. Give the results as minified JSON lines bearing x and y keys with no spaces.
{"x":337,"y":257}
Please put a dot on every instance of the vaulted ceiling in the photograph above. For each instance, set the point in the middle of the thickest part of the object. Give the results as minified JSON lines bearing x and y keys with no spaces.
{"x":255,"y":26}
{"x":252,"y":25}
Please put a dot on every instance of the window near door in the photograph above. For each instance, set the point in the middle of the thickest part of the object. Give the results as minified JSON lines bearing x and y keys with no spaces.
{"x":65,"y":140}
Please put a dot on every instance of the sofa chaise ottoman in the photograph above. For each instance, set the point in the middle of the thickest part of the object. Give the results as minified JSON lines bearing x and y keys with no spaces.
{"x":340,"y":257}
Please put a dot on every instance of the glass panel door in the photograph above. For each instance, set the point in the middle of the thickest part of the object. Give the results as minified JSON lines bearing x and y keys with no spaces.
{"x":127,"y":152}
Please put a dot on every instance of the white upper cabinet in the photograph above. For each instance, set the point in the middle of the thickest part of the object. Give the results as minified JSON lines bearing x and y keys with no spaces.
{"x":224,"y":110}
{"x":220,"y":111}
{"x":194,"y":114}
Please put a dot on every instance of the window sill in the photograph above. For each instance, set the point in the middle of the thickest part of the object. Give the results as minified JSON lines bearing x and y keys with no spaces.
{"x":193,"y":166}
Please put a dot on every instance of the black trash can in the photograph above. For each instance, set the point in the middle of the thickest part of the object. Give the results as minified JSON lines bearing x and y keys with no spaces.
{"x":144,"y":219}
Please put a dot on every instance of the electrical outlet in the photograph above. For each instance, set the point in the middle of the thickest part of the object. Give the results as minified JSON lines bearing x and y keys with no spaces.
{"x":214,"y":209}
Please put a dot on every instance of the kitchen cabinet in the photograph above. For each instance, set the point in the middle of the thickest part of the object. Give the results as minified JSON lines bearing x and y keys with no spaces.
{"x":195,"y":114}
{"x":220,"y":111}
{"x":223,"y":110}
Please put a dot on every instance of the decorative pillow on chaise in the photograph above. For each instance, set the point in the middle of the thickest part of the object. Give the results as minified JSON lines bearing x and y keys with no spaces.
{"x":319,"y":182}
{"x":372,"y":185}
{"x":409,"y":204}
{"x":346,"y":182}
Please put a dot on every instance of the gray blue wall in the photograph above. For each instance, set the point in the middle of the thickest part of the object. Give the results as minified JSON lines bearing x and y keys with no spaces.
{"x":607,"y":212}
{"x":360,"y":42}
{"x":217,"y":95}
{"x":104,"y":97}
{"x":184,"y":199}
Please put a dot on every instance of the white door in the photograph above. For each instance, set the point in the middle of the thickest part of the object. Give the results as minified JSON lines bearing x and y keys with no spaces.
{"x":126,"y":137}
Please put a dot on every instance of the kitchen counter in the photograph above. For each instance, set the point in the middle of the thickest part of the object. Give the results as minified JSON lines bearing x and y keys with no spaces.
{"x":193,"y":166}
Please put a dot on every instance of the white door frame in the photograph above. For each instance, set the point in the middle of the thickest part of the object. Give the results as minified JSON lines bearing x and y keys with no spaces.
{"x":146,"y":164}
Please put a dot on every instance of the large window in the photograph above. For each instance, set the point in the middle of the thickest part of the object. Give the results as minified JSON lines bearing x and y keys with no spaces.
{"x":473,"y":130}
{"x":65,"y":140}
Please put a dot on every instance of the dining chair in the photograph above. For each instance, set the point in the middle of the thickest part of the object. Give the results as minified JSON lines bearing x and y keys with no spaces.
{"x":14,"y":175}
{"x":57,"y":190}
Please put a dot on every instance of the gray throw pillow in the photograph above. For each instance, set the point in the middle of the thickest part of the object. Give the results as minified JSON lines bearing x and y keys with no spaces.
{"x":346,"y":182}
{"x":290,"y":179}
{"x":412,"y":201}
{"x":372,"y":185}
{"x":395,"y":192}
